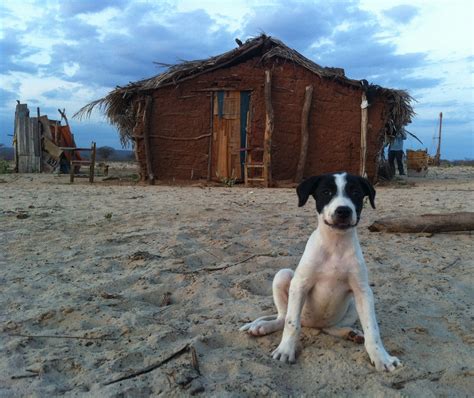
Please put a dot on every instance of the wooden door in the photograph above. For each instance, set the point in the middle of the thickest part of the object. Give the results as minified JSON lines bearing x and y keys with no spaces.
{"x":229,"y":133}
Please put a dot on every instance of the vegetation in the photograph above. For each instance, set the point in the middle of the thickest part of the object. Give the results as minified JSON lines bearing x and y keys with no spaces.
{"x":105,"y":152}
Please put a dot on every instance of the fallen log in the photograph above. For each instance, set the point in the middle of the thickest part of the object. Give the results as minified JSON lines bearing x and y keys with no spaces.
{"x":430,"y":223}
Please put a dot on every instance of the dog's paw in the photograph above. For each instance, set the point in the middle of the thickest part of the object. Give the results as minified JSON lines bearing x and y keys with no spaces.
{"x":286,"y":352}
{"x":261,"y":327}
{"x":386,"y":363}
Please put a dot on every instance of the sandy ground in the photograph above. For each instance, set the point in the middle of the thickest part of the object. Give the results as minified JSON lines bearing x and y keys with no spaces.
{"x":101,"y":281}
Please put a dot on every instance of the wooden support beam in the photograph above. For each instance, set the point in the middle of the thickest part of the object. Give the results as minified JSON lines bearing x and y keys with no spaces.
{"x":269,"y":116}
{"x":308,"y":96}
{"x":211,"y":129}
{"x":92,"y":165}
{"x":364,"y":122}
{"x":146,"y":139}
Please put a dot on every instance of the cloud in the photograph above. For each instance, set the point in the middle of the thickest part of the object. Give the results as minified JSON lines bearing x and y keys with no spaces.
{"x":75,"y":7}
{"x":117,"y":57}
{"x":7,"y":97}
{"x":402,"y":14}
{"x":14,"y":52}
{"x":301,"y":24}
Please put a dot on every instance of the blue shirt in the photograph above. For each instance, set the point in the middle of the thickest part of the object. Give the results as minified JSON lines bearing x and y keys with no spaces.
{"x":397,"y":144}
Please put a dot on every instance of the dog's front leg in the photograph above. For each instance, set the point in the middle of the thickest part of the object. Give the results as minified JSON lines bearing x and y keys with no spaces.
{"x":286,"y":351}
{"x":364,"y":300}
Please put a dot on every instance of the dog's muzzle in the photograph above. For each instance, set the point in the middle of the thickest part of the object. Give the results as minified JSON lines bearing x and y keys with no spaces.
{"x":342,"y":218}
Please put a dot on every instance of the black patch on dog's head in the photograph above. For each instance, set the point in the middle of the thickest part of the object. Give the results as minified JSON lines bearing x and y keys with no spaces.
{"x":323,"y":188}
{"x":356,"y":189}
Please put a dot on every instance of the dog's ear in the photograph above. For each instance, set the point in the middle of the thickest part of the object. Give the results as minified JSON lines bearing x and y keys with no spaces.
{"x":306,"y":188}
{"x":368,"y":190}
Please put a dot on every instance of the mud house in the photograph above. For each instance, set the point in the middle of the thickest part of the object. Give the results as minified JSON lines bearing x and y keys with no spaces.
{"x":261,"y":112}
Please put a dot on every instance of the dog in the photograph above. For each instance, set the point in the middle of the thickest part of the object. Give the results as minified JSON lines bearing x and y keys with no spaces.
{"x":329,"y":289}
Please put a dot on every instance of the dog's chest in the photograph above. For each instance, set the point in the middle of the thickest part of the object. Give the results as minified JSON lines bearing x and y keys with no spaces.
{"x":335,"y":268}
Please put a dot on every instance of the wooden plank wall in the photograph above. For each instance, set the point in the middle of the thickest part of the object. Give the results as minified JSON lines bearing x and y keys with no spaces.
{"x":28,"y":144}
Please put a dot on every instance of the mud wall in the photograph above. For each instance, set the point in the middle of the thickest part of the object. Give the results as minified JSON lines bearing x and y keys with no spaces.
{"x":334,"y":125}
{"x":184,"y":111}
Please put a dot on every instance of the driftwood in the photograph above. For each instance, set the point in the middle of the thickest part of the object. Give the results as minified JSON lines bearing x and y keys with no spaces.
{"x":449,"y":222}
{"x":308,"y":95}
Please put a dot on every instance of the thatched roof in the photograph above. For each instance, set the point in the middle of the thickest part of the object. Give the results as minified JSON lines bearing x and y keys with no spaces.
{"x":119,"y":109}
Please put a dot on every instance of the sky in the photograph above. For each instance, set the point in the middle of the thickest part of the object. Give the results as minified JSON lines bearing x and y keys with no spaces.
{"x":67,"y":53}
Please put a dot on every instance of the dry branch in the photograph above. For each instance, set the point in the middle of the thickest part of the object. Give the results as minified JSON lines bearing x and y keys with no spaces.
{"x":52,"y":336}
{"x":430,"y":223}
{"x":151,"y":367}
{"x":225,"y":266}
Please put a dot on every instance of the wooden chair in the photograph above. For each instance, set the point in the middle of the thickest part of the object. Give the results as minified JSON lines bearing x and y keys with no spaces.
{"x":73,"y":162}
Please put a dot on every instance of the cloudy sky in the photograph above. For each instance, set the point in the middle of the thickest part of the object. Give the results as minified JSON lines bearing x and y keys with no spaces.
{"x":66,"y":53}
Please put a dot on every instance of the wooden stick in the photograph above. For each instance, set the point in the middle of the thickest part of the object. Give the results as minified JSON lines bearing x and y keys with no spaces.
{"x":52,"y":336}
{"x":167,"y":137}
{"x":308,"y":95}
{"x":267,"y":156}
{"x":194,"y":359}
{"x":151,"y":367}
{"x":450,"y":264}
{"x":24,"y":376}
{"x":363,"y":134}
{"x":146,"y":139}
{"x":211,"y":130}
{"x":92,"y":165}
{"x":225,"y":266}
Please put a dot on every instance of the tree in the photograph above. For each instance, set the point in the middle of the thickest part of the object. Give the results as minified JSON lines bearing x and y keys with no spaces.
{"x":105,"y":152}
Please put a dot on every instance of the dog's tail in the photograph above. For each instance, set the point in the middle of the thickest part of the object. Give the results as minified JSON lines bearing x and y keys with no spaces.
{"x":262,"y":318}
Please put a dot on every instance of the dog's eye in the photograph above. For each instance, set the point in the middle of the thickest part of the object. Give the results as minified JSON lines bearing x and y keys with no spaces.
{"x":327,"y":192}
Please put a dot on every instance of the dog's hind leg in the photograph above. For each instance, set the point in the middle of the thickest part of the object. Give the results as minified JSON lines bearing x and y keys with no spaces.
{"x":266,"y":325}
{"x":344,"y":328}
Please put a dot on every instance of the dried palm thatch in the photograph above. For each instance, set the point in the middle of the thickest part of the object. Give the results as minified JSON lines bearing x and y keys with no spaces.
{"x":120,"y":109}
{"x":400,"y":111}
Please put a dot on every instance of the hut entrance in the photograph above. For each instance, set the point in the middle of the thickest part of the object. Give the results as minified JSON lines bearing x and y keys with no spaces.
{"x":231,"y":109}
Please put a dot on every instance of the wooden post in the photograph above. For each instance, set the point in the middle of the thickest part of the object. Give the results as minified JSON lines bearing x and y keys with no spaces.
{"x":363,"y":134}
{"x":438,"y":149}
{"x":146,"y":139}
{"x":40,"y":141}
{"x":211,"y":130}
{"x":71,"y":168}
{"x":92,"y":165}
{"x":308,"y":96}
{"x":267,"y":146}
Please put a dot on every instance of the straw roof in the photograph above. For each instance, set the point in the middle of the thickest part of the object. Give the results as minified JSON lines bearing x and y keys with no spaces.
{"x":118,"y":106}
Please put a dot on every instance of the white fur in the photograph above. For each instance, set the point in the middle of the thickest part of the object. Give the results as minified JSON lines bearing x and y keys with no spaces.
{"x":328,"y":285}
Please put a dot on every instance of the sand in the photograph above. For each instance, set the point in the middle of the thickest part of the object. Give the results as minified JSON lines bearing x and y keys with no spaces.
{"x":102,"y":281}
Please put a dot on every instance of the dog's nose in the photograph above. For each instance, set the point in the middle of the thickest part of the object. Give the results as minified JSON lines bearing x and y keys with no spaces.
{"x":343,"y":212}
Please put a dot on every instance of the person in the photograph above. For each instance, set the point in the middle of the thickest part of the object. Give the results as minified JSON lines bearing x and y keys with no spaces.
{"x":395,"y":152}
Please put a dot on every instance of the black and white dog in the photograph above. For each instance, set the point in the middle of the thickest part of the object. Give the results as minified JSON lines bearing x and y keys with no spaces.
{"x":330,"y":287}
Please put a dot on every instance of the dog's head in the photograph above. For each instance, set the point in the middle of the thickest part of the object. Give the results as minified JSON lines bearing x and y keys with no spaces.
{"x":339,"y":197}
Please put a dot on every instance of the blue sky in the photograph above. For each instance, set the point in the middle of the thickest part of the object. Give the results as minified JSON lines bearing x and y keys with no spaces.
{"x":65,"y":54}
